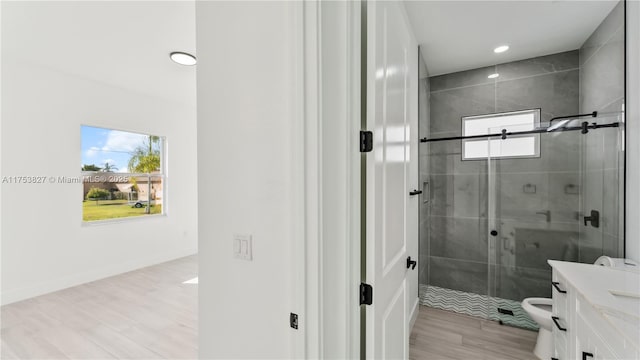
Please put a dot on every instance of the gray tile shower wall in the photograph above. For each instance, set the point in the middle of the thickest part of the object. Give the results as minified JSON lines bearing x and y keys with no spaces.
{"x":539,"y":65}
{"x":548,"y":91}
{"x":448,"y":106}
{"x":424,"y":165}
{"x":456,"y":226}
{"x":517,"y":283}
{"x":457,"y":238}
{"x":468,"y":276}
{"x":602,"y":89}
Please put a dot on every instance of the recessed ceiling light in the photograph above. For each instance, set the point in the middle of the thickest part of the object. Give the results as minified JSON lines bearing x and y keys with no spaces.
{"x":501,"y":49}
{"x":493,"y":76}
{"x":183,"y":58}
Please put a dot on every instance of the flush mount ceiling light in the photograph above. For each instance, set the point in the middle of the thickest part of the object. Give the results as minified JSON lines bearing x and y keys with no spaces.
{"x":493,"y":76}
{"x":183,"y":58}
{"x":501,"y":49}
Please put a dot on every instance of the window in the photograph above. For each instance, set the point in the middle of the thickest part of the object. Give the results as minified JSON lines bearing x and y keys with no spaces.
{"x":122,"y":174}
{"x":515,"y":146}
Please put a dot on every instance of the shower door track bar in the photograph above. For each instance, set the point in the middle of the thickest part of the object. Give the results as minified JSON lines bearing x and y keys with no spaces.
{"x":584,"y":128}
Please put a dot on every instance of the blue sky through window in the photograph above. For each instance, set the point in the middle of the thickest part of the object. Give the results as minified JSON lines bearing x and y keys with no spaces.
{"x":100,"y":146}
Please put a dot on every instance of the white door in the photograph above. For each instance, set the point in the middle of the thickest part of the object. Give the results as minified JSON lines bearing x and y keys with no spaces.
{"x":391,"y":213}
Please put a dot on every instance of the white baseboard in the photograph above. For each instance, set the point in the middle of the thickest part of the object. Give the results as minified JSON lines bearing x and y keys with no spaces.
{"x":414,"y":314}
{"x":14,"y":295}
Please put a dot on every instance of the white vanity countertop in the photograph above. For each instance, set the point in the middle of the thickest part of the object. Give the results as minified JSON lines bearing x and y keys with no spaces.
{"x":598,"y":284}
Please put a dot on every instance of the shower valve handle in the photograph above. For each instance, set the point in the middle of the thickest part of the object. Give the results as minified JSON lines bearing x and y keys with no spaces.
{"x":594,"y":219}
{"x":411,"y":263}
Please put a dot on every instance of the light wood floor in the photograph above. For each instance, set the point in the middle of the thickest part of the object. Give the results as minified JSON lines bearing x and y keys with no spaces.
{"x":440,"y":334}
{"x":144,"y":314}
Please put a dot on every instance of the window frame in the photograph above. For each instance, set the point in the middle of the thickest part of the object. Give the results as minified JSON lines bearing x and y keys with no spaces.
{"x":162,"y":174}
{"x":537,"y":112}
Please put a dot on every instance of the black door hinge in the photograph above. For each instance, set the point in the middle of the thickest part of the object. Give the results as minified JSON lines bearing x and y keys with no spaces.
{"x":366,"y":294}
{"x":366,"y":141}
{"x":293,"y":321}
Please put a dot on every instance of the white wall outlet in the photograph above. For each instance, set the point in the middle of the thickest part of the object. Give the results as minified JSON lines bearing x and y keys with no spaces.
{"x":242,"y":247}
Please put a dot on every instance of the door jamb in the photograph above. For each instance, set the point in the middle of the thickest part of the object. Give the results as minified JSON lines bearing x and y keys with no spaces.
{"x":314,"y":296}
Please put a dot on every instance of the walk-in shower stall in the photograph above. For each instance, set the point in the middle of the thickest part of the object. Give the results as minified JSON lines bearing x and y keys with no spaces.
{"x":520,"y":168}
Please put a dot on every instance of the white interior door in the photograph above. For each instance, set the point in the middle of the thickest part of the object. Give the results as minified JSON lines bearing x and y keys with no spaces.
{"x":391,"y":211}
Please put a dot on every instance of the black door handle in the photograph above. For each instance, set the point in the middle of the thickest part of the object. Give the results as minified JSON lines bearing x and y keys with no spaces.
{"x":585,"y":355}
{"x":415,"y":192}
{"x":556,"y":285}
{"x":555,"y":321}
{"x":411,"y":263}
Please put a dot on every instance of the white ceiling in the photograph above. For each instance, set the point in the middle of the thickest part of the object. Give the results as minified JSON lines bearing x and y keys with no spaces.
{"x":125,"y":44}
{"x":461,"y":35}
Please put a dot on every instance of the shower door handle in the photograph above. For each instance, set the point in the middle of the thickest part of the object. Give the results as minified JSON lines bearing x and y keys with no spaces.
{"x":411,"y":263}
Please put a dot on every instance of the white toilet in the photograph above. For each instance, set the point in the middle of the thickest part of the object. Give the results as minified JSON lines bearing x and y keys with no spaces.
{"x":540,"y":309}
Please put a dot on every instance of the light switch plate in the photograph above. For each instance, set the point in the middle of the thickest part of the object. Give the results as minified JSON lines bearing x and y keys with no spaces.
{"x":242,"y":247}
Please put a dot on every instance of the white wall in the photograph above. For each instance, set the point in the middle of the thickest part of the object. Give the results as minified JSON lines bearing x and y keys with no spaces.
{"x":278,"y":119}
{"x":247,"y":176}
{"x":56,"y":77}
{"x":632,"y":237}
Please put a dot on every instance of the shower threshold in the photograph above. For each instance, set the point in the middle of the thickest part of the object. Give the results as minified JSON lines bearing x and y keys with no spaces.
{"x":482,"y":306}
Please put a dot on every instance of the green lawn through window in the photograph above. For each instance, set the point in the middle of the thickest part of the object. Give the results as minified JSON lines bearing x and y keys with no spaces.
{"x":113,"y":209}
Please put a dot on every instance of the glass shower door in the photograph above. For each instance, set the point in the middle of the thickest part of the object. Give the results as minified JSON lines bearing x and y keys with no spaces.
{"x":602,"y":193}
{"x":537,"y":207}
{"x":530,"y":218}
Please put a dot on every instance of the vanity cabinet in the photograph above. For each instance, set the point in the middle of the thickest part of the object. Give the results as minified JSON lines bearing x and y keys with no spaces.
{"x":562,"y":317}
{"x":589,"y":322}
